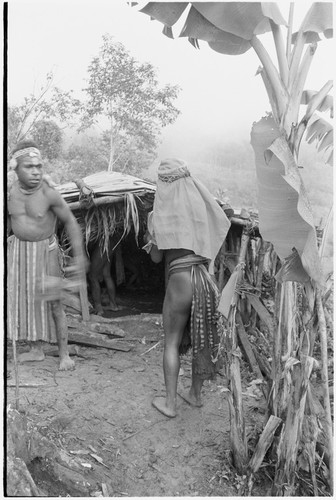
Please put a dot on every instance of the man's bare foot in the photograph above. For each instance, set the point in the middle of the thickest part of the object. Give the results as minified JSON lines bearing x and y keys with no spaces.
{"x":160,"y":404}
{"x":66,"y":363}
{"x":190,"y":399}
{"x":32,"y":355}
{"x":114,"y":307}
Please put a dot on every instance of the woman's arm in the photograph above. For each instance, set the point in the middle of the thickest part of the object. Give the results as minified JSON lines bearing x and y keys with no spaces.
{"x":151,"y":248}
{"x":155,"y":254}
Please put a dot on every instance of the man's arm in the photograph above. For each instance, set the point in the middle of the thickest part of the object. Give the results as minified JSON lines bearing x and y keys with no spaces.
{"x":64,"y":214}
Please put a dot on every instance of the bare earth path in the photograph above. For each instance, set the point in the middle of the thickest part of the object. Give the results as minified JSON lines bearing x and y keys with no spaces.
{"x":101,"y":414}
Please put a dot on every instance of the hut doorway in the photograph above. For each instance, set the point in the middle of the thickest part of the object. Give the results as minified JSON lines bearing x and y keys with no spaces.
{"x":139,"y":283}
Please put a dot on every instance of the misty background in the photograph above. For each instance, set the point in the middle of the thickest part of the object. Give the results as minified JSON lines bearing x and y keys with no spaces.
{"x":220,"y":96}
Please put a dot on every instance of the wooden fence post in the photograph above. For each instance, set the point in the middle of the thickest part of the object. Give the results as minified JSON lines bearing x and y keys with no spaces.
{"x":235,"y":399}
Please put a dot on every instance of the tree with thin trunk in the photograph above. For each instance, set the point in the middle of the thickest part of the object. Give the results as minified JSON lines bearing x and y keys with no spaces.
{"x":126,"y":93}
{"x":50,"y":103}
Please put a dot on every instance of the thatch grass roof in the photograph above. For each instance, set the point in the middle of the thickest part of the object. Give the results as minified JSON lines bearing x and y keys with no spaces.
{"x":106,"y":184}
{"x":106,"y":203}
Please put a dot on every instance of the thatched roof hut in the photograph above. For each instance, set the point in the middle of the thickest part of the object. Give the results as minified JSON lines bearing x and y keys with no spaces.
{"x":108,"y":203}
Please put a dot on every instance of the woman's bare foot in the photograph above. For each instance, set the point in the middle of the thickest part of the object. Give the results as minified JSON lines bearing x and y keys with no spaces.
{"x":66,"y":363}
{"x":35,"y":354}
{"x":190,"y":398}
{"x":160,"y":404}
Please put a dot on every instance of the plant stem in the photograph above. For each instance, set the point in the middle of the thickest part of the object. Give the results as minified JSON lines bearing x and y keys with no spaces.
{"x":279,"y":91}
{"x":324,"y":376}
{"x":280,"y":50}
{"x":289,"y":32}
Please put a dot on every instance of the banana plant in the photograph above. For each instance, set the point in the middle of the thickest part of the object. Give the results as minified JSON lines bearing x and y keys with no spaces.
{"x":233,"y":28}
{"x":285,"y":215}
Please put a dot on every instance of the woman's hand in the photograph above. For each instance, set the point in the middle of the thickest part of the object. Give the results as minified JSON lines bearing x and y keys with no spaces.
{"x":147,"y":237}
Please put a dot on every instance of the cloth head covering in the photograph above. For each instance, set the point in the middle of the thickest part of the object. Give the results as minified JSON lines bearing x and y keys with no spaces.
{"x":30,"y":152}
{"x":185,"y":214}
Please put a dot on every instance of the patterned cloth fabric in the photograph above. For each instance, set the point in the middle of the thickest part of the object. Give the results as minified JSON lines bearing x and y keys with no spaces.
{"x":29,"y":318}
{"x":185,"y":214}
{"x":201,"y":333}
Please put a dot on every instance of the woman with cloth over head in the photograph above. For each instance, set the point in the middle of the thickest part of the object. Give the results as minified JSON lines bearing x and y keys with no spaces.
{"x":187,"y":227}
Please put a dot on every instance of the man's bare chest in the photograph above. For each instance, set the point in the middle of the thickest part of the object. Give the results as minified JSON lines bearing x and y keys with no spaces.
{"x":35,"y":206}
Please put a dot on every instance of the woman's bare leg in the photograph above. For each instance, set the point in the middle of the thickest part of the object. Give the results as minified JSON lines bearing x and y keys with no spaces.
{"x":193,"y":396}
{"x":176,"y":312}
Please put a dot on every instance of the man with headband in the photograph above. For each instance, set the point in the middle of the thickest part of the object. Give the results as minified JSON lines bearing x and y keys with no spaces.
{"x":33,"y":255}
{"x":187,"y":227}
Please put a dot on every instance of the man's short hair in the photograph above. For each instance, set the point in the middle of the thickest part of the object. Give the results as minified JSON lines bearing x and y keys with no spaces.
{"x":23,"y":145}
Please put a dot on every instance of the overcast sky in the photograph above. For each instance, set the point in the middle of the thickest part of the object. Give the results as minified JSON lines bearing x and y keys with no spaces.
{"x":220,"y":97}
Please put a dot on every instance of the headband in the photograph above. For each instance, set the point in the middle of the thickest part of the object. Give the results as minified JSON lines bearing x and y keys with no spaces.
{"x":32,"y":152}
{"x":172,"y":169}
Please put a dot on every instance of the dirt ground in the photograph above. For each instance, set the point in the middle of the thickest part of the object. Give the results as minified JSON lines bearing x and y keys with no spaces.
{"x":101,"y":415}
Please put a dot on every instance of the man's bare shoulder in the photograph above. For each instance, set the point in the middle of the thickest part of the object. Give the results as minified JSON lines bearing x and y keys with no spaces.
{"x":51,"y":194}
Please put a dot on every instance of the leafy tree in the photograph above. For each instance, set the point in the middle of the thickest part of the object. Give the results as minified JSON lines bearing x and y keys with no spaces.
{"x":127,"y":93}
{"x":51,"y":102}
{"x":49,"y":137}
{"x":91,"y":155}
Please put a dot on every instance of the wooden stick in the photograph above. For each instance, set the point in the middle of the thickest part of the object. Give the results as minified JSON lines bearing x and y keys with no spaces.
{"x":145,"y":428}
{"x":83,"y":296}
{"x":263,"y":313}
{"x":235,"y":400}
{"x":246,"y":347}
{"x":74,"y":205}
{"x":29,"y":385}
{"x":91,"y":341}
{"x":153,"y":347}
{"x":16,"y":371}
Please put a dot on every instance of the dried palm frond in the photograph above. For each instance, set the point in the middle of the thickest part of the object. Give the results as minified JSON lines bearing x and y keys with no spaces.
{"x":132,"y":215}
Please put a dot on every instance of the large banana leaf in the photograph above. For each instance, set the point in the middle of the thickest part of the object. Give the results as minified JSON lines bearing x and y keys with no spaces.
{"x":319,"y":19}
{"x":325,"y":105}
{"x":285,"y":216}
{"x":226,"y":26}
